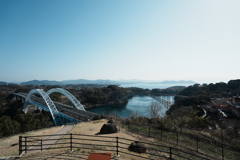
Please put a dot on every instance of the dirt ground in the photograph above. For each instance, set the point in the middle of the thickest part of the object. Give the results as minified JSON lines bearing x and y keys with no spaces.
{"x":91,"y":128}
{"x":9,"y":145}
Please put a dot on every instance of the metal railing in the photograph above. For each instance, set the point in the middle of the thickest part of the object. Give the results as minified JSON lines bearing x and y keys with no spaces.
{"x":191,"y":142}
{"x":103,"y":143}
{"x":220,"y":147}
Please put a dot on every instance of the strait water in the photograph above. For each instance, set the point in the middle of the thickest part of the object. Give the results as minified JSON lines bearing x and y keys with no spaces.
{"x":136,"y":105}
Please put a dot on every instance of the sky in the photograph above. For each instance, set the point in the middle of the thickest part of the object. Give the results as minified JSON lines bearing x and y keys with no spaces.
{"x":120,"y":39}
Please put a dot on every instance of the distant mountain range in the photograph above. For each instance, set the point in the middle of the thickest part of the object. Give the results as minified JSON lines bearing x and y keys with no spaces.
{"x":85,"y":81}
{"x":3,"y":83}
{"x":44,"y":82}
{"x":100,"y":81}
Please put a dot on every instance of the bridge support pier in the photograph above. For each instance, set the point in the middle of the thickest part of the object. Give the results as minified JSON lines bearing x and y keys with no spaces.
{"x":27,"y":107}
{"x":32,"y":108}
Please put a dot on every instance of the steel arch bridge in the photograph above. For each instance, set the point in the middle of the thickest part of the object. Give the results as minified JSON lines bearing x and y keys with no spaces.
{"x":50,"y":106}
{"x":74,"y":100}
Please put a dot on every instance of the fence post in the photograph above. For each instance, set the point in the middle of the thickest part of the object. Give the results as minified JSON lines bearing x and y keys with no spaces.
{"x":197,"y":144}
{"x":149,"y":130}
{"x":170,"y":152}
{"x":71,"y":141}
{"x":41,"y":144}
{"x":117,"y":145}
{"x":161,"y":134}
{"x":177,"y":138}
{"x":222,"y":146}
{"x":20,"y":145}
{"x":25,"y":144}
{"x":137,"y":128}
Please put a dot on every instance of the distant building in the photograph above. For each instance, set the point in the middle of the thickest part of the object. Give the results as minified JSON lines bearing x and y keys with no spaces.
{"x":227,"y":109}
{"x":234,"y":106}
{"x":226,"y":94}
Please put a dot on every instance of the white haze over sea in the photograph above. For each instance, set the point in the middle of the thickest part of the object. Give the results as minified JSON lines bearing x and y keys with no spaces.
{"x":152,"y":86}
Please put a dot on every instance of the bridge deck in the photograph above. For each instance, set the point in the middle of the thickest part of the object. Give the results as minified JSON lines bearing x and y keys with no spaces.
{"x":69,"y":111}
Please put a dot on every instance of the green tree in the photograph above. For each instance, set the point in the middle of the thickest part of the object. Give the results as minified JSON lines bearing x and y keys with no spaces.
{"x":8,"y":126}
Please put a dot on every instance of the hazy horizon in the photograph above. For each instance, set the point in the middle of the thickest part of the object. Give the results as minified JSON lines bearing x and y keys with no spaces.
{"x":147,"y":40}
{"x":123,"y":80}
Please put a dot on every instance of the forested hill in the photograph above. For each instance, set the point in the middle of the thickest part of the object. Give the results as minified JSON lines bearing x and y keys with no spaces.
{"x":174,"y":90}
{"x":213,"y":90}
{"x":3,"y":83}
{"x":201,"y":94}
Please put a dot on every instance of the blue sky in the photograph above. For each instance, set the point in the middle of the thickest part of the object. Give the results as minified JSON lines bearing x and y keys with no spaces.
{"x":124,"y":39}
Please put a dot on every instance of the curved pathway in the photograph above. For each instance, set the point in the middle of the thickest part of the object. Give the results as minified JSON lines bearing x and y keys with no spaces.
{"x":50,"y":140}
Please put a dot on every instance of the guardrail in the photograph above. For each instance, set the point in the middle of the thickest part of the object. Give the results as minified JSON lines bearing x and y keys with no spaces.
{"x":102,"y":143}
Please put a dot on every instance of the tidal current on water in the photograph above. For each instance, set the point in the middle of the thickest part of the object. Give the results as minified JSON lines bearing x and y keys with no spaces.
{"x":137,"y":105}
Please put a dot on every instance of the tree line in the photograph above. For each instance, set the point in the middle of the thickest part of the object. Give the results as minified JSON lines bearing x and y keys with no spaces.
{"x":213,"y":90}
{"x":104,"y":95}
{"x":201,"y":94}
{"x":24,"y":123}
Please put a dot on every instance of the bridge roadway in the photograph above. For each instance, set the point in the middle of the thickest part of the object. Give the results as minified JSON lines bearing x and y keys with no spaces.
{"x":69,"y":111}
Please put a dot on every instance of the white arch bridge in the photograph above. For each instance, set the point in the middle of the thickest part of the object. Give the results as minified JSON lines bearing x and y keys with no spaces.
{"x":61,"y":113}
